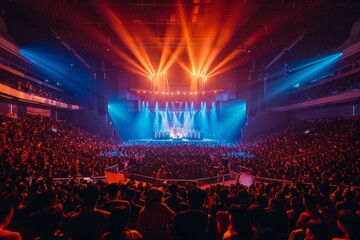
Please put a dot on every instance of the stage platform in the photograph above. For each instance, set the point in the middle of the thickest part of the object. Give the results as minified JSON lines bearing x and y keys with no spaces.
{"x":176,"y":140}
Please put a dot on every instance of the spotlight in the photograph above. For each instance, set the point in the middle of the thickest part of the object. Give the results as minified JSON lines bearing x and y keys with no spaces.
{"x":172,"y":93}
{"x":178,"y":92}
{"x":163,"y":93}
{"x":184,"y":93}
{"x":203,"y":92}
{"x":195,"y":93}
{"x":190,"y":93}
{"x":167,"y":93}
{"x":143,"y":91}
{"x":138,"y":91}
{"x":156,"y":92}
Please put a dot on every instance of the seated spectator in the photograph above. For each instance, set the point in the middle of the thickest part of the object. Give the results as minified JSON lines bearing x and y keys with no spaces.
{"x":45,"y":222}
{"x":260,"y":223}
{"x":155,"y":215}
{"x":118,"y":221}
{"x":294,"y":213}
{"x":243,"y":197}
{"x":91,"y":222}
{"x":349,"y":224}
{"x":221,"y":205}
{"x":174,"y":200}
{"x":348,"y":202}
{"x":300,"y":232}
{"x":317,"y":230}
{"x":278,"y":219}
{"x":222,"y":222}
{"x":240,"y":227}
{"x":135,"y":208}
{"x":6,"y":213}
{"x":114,"y":201}
{"x":310,"y":206}
{"x":194,"y":223}
{"x":51,"y":222}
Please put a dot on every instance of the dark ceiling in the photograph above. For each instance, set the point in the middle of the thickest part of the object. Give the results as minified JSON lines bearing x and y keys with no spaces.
{"x":264,"y":27}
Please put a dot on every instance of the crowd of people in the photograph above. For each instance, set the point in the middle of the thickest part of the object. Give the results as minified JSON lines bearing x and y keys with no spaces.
{"x":341,"y":85}
{"x":41,"y":90}
{"x":326,"y":148}
{"x":81,"y":210}
{"x":35,"y":149}
{"x":34,"y":146}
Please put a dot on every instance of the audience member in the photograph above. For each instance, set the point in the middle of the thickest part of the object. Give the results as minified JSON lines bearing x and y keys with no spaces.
{"x":118,"y":221}
{"x":6,"y":213}
{"x":155,"y":215}
{"x":91,"y":222}
{"x":194,"y":223}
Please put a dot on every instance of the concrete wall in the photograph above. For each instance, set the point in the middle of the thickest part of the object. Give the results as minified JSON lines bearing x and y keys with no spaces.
{"x":264,"y":121}
{"x":93,"y":122}
{"x":344,"y":110}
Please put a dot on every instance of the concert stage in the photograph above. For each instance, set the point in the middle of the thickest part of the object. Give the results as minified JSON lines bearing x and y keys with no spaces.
{"x":178,"y":133}
{"x":175,"y":140}
{"x":167,"y":119}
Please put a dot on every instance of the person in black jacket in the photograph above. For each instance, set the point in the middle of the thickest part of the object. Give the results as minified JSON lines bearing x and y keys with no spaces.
{"x":194,"y":223}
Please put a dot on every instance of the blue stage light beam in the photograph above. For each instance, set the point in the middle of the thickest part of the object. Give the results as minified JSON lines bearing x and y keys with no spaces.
{"x":142,"y":106}
{"x":142,"y":122}
{"x":233,"y":118}
{"x":192,"y":107}
{"x":305,"y":73}
{"x":156,"y":118}
{"x":186,"y":109}
{"x":164,"y":121}
{"x":204,"y":121}
{"x":187,"y":121}
{"x":214,"y":122}
{"x":302,"y":65}
{"x":175,"y":121}
{"x":58,"y":66}
{"x":122,"y":118}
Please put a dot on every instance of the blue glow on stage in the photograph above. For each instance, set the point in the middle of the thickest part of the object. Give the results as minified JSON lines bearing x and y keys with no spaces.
{"x":176,"y":120}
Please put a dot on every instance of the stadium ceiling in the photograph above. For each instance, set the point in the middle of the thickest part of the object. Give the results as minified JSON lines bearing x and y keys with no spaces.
{"x":262,"y":27}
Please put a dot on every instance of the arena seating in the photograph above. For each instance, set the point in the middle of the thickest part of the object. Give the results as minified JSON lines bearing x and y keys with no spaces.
{"x":25,"y":85}
{"x":337,"y":86}
{"x":34,"y":149}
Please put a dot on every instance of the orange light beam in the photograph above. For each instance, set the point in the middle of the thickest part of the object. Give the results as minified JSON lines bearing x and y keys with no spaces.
{"x":139,"y":69}
{"x":226,"y":33}
{"x":226,"y":60}
{"x":183,"y":65}
{"x":166,"y":49}
{"x":183,"y":21}
{"x":135,"y":47}
{"x":172,"y":59}
{"x":222,"y":70}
